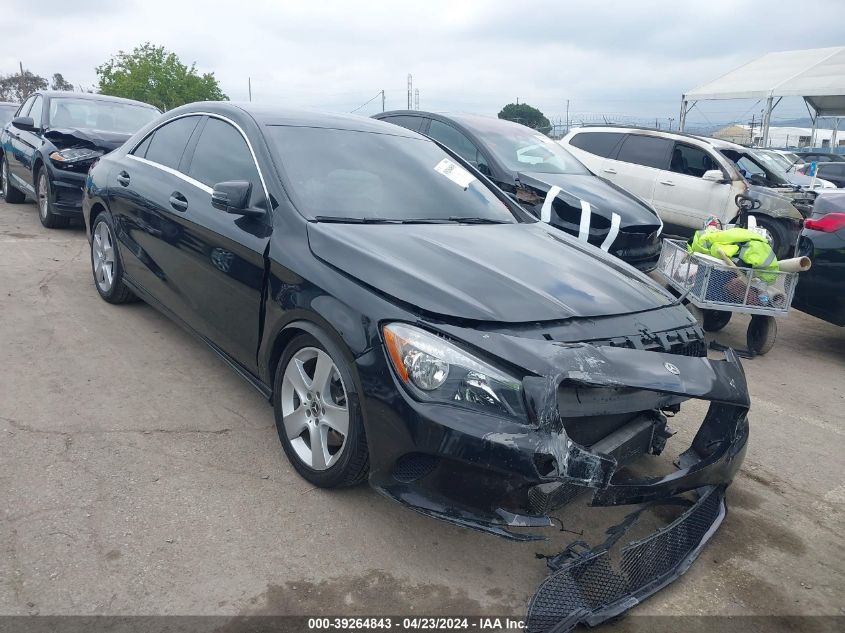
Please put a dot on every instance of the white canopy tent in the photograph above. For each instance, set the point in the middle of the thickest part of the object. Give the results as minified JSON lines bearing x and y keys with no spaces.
{"x":817,"y":75}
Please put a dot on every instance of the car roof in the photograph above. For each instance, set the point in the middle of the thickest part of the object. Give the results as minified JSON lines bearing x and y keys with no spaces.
{"x":648,"y":131}
{"x":265,"y":114}
{"x":91,"y":96}
{"x":470,"y":121}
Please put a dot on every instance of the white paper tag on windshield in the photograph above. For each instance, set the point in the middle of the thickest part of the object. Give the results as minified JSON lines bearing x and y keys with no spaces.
{"x":454,"y":172}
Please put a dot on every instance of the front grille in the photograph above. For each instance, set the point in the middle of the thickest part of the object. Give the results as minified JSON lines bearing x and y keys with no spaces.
{"x":586,"y":587}
{"x":684,"y":342}
{"x":414,"y":466}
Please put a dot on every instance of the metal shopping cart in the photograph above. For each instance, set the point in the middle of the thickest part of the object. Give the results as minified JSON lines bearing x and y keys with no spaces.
{"x":716,"y":289}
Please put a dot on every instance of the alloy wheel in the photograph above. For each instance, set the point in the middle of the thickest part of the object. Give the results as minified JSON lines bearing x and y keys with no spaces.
{"x":102,"y":252}
{"x":43,"y":195}
{"x":314,"y":408}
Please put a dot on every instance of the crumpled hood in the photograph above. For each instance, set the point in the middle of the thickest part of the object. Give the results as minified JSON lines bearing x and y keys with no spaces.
{"x":99,"y":139}
{"x":510,"y":273}
{"x":604,"y":196}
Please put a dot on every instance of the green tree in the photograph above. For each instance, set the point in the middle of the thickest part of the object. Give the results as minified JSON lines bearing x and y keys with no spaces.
{"x":156,"y":76}
{"x":18,"y":86}
{"x":59,"y":83}
{"x":526,"y":115}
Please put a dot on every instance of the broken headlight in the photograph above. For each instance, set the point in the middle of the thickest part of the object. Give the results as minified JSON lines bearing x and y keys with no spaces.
{"x":75,"y":155}
{"x":436,"y":370}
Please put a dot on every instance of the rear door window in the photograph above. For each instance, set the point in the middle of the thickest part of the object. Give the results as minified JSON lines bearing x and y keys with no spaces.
{"x":648,"y":151}
{"x":598,"y":143}
{"x":409,"y":122}
{"x":691,"y":161}
{"x":168,"y":142}
{"x":456,"y":141}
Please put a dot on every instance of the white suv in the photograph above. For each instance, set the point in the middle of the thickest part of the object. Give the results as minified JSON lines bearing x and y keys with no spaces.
{"x":687,"y":179}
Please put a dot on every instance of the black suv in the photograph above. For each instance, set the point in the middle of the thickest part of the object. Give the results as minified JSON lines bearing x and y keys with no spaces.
{"x":47,"y":148}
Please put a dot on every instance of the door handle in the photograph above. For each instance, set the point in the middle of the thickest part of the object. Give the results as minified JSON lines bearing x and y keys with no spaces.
{"x":123,"y":178}
{"x":610,"y":171}
{"x":668,"y":183}
{"x":178,"y":201}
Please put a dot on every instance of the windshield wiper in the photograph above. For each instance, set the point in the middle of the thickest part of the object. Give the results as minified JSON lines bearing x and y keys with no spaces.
{"x":335,"y":219}
{"x":471,"y":220}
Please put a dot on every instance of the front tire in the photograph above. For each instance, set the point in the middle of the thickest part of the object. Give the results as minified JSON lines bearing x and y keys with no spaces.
{"x":318,"y":415}
{"x":105,"y":263}
{"x":44,"y":198}
{"x":10,"y":194}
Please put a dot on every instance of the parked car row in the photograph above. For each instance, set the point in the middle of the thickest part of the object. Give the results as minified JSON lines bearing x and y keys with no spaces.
{"x":433,"y":304}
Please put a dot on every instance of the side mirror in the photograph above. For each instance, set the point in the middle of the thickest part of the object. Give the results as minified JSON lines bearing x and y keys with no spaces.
{"x":24,"y":123}
{"x":713,"y":175}
{"x":233,"y":197}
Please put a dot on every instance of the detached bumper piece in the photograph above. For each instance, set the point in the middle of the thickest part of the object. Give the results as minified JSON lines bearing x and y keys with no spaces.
{"x":593,"y":586}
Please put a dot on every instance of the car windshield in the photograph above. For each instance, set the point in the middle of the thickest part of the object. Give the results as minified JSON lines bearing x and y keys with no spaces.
{"x":105,"y":116}
{"x":522,"y":149}
{"x":756,"y":163}
{"x":780,"y":159}
{"x":346,"y":175}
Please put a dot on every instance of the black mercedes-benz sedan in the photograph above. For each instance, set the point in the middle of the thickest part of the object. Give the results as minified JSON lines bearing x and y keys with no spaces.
{"x":54,"y":137}
{"x":546,"y":180}
{"x":411,"y":325}
{"x":821,"y":290}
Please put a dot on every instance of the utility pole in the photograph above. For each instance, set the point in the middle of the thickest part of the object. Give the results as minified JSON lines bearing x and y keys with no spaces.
{"x":670,"y":122}
{"x":249,"y":84}
{"x":567,"y":116}
{"x":410,"y":90}
{"x":20,"y":83}
{"x":751,"y":140}
{"x":416,"y":98}
{"x":382,"y":100}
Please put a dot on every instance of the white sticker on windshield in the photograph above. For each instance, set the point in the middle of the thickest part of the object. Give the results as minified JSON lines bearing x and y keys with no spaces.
{"x":454,"y":172}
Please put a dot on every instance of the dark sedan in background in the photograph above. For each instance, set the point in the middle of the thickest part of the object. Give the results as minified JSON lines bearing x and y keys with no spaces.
{"x":821,"y":290}
{"x":546,"y":180}
{"x":47,"y":148}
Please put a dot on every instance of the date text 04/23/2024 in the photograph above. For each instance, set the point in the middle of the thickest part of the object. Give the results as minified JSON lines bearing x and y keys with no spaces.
{"x":416,"y":623}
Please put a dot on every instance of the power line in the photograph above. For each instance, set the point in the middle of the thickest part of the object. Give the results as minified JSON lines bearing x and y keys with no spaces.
{"x":378,"y":94}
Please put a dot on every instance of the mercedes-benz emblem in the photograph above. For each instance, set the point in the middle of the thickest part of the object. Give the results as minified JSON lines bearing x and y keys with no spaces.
{"x":672,"y":369}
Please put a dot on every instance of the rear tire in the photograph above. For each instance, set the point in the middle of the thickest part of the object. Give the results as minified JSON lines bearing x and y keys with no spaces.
{"x":106,"y":264}
{"x":779,"y":233}
{"x":10,"y":194}
{"x":310,"y":416}
{"x":44,"y":196}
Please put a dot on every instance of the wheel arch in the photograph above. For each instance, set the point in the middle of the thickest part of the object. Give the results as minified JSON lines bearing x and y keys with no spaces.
{"x":306,"y":325}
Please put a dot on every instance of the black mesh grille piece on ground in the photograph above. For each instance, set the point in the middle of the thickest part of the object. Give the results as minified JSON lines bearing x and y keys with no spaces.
{"x":595,"y":587}
{"x":414,"y":466}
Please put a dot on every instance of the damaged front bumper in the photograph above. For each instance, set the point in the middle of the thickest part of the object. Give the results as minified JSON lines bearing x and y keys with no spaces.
{"x":578,"y":444}
{"x":493,"y":475}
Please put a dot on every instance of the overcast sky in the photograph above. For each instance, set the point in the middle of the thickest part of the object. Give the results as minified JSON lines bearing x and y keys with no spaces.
{"x":611,"y":58}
